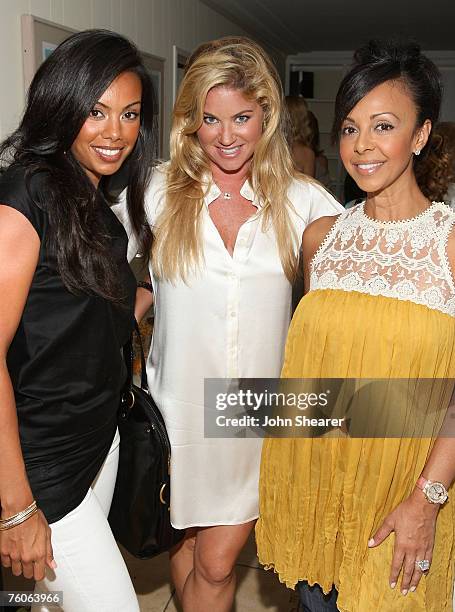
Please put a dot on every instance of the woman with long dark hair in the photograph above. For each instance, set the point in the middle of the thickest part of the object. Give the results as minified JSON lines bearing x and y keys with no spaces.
{"x":66,"y":310}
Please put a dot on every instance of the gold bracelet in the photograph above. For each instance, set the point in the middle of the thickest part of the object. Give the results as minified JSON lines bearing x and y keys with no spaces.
{"x":19,"y":518}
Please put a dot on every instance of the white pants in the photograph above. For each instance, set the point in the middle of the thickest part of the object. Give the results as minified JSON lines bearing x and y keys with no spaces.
{"x":90,"y":569}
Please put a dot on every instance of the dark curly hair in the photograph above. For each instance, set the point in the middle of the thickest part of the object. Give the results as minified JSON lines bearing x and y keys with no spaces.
{"x":438,"y":168}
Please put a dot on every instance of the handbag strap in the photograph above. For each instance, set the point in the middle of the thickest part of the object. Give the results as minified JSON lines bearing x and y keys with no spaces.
{"x":128,"y":354}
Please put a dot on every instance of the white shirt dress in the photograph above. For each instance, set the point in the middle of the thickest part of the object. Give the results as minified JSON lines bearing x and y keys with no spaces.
{"x":228,"y":320}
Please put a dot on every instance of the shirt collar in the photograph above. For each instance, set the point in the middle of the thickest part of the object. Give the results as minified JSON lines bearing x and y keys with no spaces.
{"x":212,"y":192}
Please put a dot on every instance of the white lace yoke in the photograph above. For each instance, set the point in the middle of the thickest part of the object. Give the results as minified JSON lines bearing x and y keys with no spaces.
{"x":405,"y":259}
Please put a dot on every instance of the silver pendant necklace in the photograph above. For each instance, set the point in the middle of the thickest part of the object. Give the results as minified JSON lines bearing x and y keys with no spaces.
{"x":226,"y":195}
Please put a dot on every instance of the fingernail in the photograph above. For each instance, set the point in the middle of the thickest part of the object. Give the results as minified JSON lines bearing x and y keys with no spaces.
{"x":404,"y":591}
{"x":412,"y":589}
{"x":371,"y":542}
{"x":393,"y":585}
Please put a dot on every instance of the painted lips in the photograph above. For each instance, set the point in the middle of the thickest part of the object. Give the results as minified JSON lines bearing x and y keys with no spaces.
{"x":368,"y":168}
{"x":108,"y":155}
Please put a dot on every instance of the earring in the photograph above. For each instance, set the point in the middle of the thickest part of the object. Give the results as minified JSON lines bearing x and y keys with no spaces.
{"x":417,"y":152}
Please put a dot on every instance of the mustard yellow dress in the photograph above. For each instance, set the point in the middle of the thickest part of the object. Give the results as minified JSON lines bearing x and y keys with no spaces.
{"x":381,"y":305}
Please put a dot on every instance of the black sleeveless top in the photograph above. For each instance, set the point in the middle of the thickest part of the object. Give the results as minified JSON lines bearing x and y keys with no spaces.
{"x":65,"y":362}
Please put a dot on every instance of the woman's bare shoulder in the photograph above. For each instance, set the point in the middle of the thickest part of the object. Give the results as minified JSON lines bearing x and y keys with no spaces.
{"x":314,"y":235}
{"x":304,"y":158}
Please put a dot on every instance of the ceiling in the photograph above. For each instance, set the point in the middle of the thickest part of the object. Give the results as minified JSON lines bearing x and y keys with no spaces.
{"x":293,"y":26}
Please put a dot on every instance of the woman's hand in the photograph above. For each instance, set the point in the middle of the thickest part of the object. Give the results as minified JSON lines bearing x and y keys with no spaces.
{"x":27,"y":548}
{"x":414,"y":524}
{"x":144,"y":301}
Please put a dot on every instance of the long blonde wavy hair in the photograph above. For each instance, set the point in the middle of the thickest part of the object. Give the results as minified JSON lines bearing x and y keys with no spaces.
{"x":241,"y":64}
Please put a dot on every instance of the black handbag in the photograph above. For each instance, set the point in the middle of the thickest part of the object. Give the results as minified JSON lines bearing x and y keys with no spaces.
{"x":139,"y":514}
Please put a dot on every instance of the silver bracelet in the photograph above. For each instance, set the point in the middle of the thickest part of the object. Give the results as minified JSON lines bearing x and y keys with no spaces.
{"x":19,"y":518}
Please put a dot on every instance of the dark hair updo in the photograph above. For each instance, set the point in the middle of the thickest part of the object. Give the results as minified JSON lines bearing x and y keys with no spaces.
{"x":379,"y":61}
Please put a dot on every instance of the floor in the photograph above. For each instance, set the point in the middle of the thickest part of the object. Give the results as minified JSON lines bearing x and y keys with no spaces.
{"x":257,"y":591}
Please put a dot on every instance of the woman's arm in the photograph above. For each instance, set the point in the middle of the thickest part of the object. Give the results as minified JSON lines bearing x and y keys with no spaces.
{"x":26,"y":548}
{"x":144,"y":299}
{"x":304,"y":159}
{"x":323,"y":162}
{"x":414,"y":520}
{"x":440,"y":466}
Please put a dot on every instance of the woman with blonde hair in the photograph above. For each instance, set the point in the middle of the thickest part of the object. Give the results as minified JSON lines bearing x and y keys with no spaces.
{"x":300,"y":135}
{"x":227,"y":214}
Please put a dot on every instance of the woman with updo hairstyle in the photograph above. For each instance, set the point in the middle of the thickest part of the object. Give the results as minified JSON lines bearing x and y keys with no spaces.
{"x":227,"y":214}
{"x":362,"y":513}
{"x":67,"y":309}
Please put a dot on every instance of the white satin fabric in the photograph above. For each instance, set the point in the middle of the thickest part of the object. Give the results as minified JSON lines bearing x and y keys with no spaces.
{"x":229,"y":320}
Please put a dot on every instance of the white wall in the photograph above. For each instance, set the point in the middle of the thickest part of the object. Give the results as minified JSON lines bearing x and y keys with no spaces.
{"x":154,"y":25}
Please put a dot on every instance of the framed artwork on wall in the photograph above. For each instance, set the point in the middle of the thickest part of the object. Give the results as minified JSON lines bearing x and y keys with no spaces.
{"x":39,"y":38}
{"x":179,"y":59}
